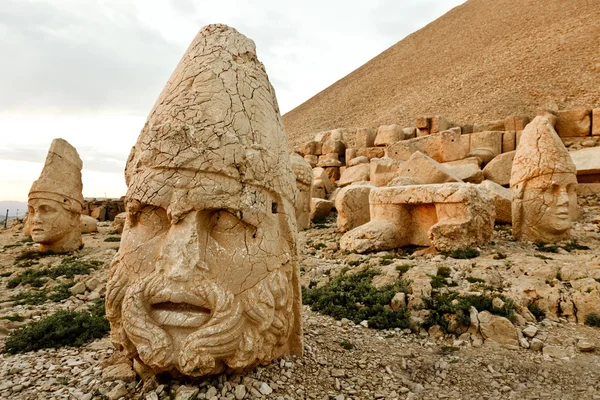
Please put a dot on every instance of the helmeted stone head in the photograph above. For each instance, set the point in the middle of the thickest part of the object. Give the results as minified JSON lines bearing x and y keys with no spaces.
{"x":544,"y":183}
{"x":55,"y":200}
{"x":206,"y":279}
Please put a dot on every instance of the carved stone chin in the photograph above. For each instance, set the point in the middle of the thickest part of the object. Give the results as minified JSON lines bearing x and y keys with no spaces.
{"x":544,"y":183}
{"x":206,"y":278}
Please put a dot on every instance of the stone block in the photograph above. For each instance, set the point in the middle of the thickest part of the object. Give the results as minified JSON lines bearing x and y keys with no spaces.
{"x":425,"y":170}
{"x":320,"y":208}
{"x":320,"y":174}
{"x":439,"y":124}
{"x":365,"y":137}
{"x":491,"y":140}
{"x":388,"y":134}
{"x":352,"y":205}
{"x":423,"y":123}
{"x":358,"y":160}
{"x":467,"y":172}
{"x":447,"y":216}
{"x":383,"y":170}
{"x":499,"y":168}
{"x":587,"y":162}
{"x":442,"y":147}
{"x":497,"y":125}
{"x":515,"y":123}
{"x":357,"y":173}
{"x":423,"y":132}
{"x":502,"y":200}
{"x":573,"y":123}
{"x":312,"y":159}
{"x":333,"y":173}
{"x":410,"y":133}
{"x":596,"y":122}
{"x":371,"y":152}
{"x":509,"y":141}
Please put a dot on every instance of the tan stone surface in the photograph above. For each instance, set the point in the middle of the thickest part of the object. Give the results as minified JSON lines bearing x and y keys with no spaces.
{"x":497,"y":125}
{"x":357,"y":160}
{"x":502,"y":200}
{"x":388,"y":134}
{"x":333,"y":173}
{"x":55,"y":200}
{"x":573,"y":123}
{"x":439,"y":124}
{"x":371,"y":152}
{"x":352,"y":205}
{"x":383,"y":170}
{"x":312,"y":160}
{"x":467,"y":172}
{"x":206,"y":278}
{"x":425,"y":170}
{"x":497,"y":329}
{"x":587,"y":161}
{"x":596,"y":122}
{"x":515,"y":123}
{"x":365,"y":137}
{"x":304,"y":179}
{"x":119,"y":222}
{"x":499,"y":168}
{"x":442,"y":147}
{"x":544,"y":185}
{"x":509,"y":141}
{"x":354,"y":174}
{"x":88,"y":224}
{"x":319,"y":174}
{"x":447,"y":216}
{"x":320,"y":208}
{"x":489,"y":140}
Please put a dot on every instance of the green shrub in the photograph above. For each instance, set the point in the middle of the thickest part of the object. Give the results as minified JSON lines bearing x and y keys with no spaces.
{"x":69,"y":267}
{"x":35,"y":297}
{"x":462,"y":254}
{"x":13,"y":317}
{"x":113,"y":239}
{"x":444,"y":305}
{"x":5,"y":274}
{"x":499,"y":256}
{"x":355,"y":298}
{"x":441,"y":278}
{"x":444,"y":272}
{"x":573,"y":245}
{"x":546,"y":248}
{"x":346,"y":345}
{"x":592,"y":319}
{"x":536,"y":311}
{"x":403,"y":268}
{"x":63,"y":328}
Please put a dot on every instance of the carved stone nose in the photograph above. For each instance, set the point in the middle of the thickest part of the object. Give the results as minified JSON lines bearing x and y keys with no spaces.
{"x":181,"y":255}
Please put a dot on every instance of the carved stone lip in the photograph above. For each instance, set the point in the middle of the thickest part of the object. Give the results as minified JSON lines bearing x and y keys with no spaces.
{"x":179,"y":309}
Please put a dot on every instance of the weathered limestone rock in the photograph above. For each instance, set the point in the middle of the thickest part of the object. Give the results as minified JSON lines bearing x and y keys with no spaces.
{"x":498,"y":170}
{"x":425,"y":170}
{"x":497,"y":125}
{"x":55,"y":200}
{"x":354,"y":174}
{"x":544,"y":185}
{"x":515,"y":123}
{"x":497,"y":329}
{"x":388,"y":134}
{"x":586,"y":297}
{"x":587,"y":162}
{"x":320,"y":208}
{"x":383,"y":170}
{"x":409,"y":133}
{"x":488,"y":140}
{"x":119,"y":222}
{"x":331,"y":141}
{"x":365,"y":137}
{"x":439,"y":124}
{"x":206,"y":279}
{"x":352,"y":205}
{"x":304,"y":179}
{"x":467,"y":172}
{"x":313,"y":160}
{"x":309,"y":148}
{"x":447,"y":216}
{"x":319,"y":174}
{"x":371,"y":152}
{"x":333,"y":173}
{"x":442,"y":147}
{"x":88,"y":224}
{"x":502,"y":200}
{"x":357,"y":160}
{"x":596,"y":122}
{"x":573,"y":123}
{"x":509,"y":141}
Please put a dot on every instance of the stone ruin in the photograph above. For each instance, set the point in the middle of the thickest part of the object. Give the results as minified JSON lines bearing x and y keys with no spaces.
{"x":55,"y":201}
{"x":211,"y":197}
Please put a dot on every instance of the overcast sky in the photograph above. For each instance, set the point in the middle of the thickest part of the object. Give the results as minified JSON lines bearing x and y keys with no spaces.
{"x":90,"y":70}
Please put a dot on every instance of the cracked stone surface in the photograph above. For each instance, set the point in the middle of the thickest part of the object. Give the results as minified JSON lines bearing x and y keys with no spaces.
{"x":543,"y":181}
{"x":205,"y":280}
{"x":55,"y":200}
{"x":304,"y":182}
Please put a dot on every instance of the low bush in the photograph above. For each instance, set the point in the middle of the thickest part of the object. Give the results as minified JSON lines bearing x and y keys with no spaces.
{"x":547,"y":248}
{"x":13,"y":317}
{"x":33,"y":255}
{"x":463,"y":254}
{"x":355,"y":298}
{"x":69,"y":267}
{"x":35,"y":297}
{"x":592,"y":319}
{"x":63,"y":328}
{"x":441,"y":279}
{"x":536,"y":311}
{"x":573,"y":245}
{"x":113,"y":239}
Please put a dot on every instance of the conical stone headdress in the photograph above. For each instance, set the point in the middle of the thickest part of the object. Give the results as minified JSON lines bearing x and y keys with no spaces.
{"x":540,"y":153}
{"x":218,"y":117}
{"x":60,"y":179}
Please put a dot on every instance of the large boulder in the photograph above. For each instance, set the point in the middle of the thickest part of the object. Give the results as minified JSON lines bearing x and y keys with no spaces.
{"x":352,"y":205}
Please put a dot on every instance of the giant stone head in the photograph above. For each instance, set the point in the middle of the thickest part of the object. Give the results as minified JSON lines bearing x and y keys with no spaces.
{"x":205,"y":279}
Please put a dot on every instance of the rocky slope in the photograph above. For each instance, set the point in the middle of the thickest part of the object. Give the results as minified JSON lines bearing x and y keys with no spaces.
{"x":481,"y":61}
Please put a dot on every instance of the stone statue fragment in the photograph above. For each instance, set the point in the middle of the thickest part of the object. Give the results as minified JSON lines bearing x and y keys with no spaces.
{"x":206,"y":279}
{"x":543,"y":181}
{"x":304,"y":181}
{"x":55,"y":200}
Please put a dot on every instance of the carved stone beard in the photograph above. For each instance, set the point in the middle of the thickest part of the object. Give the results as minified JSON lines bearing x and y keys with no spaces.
{"x":243,"y":330}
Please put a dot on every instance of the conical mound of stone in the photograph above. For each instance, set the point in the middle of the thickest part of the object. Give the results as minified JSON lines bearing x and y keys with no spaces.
{"x":55,"y":200}
{"x":206,"y":278}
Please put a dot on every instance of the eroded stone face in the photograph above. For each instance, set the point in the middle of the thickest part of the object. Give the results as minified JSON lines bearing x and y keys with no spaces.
{"x":205,"y":279}
{"x":544,"y":183}
{"x":55,"y":201}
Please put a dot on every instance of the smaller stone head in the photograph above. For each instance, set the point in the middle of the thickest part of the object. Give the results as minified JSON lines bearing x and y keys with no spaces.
{"x":544,"y":183}
{"x":55,"y":200}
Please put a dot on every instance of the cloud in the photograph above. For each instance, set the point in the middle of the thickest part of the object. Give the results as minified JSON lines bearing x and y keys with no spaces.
{"x":75,"y":57}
